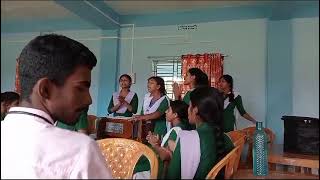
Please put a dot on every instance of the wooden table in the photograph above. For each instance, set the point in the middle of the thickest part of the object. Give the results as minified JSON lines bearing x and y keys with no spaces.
{"x":277,"y":156}
{"x":248,"y":174}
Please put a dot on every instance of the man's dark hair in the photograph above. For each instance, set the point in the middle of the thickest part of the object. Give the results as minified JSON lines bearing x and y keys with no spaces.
{"x":52,"y":56}
{"x":9,"y":97}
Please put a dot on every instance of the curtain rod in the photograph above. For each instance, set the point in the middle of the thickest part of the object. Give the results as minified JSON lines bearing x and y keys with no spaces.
{"x":154,"y":57}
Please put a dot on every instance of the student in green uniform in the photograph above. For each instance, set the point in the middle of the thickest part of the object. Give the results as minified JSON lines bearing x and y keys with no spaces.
{"x":80,"y":126}
{"x":177,"y":115}
{"x":197,"y":151}
{"x":232,"y":100}
{"x":194,"y":78}
{"x":125,"y":102}
{"x":155,"y":104}
{"x":8,"y":99}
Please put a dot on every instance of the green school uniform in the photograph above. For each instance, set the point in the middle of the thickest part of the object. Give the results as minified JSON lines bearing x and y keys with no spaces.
{"x":81,"y":124}
{"x":228,"y":113}
{"x":133,"y":103}
{"x":228,"y":144}
{"x":208,"y":154}
{"x":160,"y":126}
{"x":143,"y":163}
{"x":207,"y":159}
{"x":186,"y":97}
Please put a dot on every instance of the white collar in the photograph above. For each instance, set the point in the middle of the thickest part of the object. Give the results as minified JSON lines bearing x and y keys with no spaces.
{"x":33,"y":111}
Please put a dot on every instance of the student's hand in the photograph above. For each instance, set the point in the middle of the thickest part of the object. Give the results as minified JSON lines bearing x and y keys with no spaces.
{"x":116,"y":107}
{"x":138,"y":117}
{"x":165,"y":154}
{"x":121,"y":99}
{"x":176,"y":88}
{"x":125,"y":103}
{"x":153,"y":139}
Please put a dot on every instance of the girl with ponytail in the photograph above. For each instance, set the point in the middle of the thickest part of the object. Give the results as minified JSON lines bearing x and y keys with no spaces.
{"x":194,"y":78}
{"x":197,"y":151}
{"x":232,"y":100}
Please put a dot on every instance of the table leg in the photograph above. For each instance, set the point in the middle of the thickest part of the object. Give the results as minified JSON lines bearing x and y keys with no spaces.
{"x":297,"y":169}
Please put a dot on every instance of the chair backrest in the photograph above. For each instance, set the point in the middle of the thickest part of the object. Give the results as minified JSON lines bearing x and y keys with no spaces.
{"x":92,"y":124}
{"x":228,"y":162}
{"x":249,"y":132}
{"x":238,"y":138}
{"x":123,"y":154}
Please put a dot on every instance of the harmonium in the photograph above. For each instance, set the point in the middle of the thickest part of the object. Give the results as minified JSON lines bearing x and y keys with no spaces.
{"x":117,"y":127}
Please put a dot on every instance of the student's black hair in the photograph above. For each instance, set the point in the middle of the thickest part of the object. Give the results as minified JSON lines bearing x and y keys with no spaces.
{"x":181,"y":108}
{"x":209,"y":102}
{"x":52,"y":56}
{"x":201,"y":78}
{"x":9,"y":97}
{"x":127,"y":76}
{"x":229,"y":80}
{"x":160,"y":82}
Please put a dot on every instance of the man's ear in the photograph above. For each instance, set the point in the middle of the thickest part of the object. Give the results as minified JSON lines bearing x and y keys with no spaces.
{"x":44,"y":88}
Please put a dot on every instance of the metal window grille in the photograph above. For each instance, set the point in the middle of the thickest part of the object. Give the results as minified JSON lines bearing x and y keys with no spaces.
{"x":169,"y":68}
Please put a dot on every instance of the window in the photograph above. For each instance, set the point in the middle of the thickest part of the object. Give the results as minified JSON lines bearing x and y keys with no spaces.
{"x":169,"y":68}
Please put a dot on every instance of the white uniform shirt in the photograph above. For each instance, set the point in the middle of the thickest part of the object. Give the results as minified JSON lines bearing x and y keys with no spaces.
{"x":33,"y":148}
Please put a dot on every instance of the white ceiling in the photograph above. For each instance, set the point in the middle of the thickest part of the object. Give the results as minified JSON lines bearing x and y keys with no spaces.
{"x":152,"y":6}
{"x":33,"y":9}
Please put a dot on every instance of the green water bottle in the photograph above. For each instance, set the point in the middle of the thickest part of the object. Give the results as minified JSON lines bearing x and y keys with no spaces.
{"x":260,"y":151}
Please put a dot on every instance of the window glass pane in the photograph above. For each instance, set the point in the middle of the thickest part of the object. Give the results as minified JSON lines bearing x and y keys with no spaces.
{"x":169,"y":70}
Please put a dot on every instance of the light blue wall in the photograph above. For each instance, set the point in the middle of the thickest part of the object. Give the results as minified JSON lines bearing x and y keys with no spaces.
{"x":108,"y":69}
{"x":292,"y":71}
{"x":305,"y":69}
{"x":279,"y":75}
{"x":12,"y":44}
{"x":243,"y":40}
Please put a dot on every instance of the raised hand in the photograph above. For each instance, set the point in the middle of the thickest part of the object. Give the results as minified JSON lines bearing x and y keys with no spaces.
{"x":177,"y":90}
{"x":121,"y":99}
{"x":153,"y":139}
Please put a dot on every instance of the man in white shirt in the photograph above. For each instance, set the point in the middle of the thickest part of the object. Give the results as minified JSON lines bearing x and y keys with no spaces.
{"x":55,"y":77}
